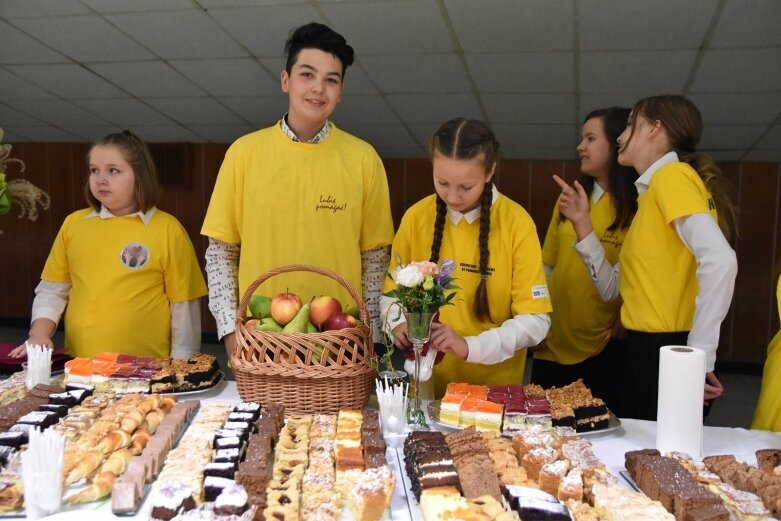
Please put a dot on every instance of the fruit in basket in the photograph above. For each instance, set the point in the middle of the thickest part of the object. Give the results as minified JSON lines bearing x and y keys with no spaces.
{"x":321,"y":308}
{"x":284,"y":307}
{"x":354,"y":312}
{"x":339,"y":321}
{"x":318,"y":354}
{"x":299,"y":322}
{"x":252,"y":323}
{"x":310,"y":328}
{"x":260,"y":306}
{"x":268,"y":325}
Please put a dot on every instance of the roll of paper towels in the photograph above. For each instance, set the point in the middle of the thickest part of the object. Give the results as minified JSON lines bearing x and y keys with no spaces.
{"x":681,"y":391}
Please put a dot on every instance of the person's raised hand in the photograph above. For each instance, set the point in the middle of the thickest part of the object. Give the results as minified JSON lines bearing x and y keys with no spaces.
{"x":573,"y":204}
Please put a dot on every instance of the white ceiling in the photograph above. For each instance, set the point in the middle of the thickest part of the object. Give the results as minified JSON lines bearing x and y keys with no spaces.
{"x":207,"y":70}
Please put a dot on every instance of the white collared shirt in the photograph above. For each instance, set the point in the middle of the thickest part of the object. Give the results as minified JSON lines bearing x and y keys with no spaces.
{"x":597,"y":192}
{"x":644,"y":181}
{"x":318,"y":138}
{"x":105,"y":213}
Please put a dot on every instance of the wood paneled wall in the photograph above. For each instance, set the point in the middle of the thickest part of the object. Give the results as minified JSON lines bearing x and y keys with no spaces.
{"x":60,"y":170}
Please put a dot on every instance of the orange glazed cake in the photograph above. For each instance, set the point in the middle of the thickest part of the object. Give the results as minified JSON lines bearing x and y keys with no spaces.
{"x":450,"y":409}
{"x":488,"y":416}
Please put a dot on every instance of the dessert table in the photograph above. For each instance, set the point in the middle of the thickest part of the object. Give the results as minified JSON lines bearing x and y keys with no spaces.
{"x":609,"y":447}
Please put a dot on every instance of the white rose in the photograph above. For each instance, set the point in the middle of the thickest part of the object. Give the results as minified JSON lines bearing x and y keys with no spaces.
{"x":408,"y":276}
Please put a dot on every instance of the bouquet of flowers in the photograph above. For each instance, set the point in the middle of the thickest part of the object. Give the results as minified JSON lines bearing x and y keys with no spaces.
{"x":421,"y":286}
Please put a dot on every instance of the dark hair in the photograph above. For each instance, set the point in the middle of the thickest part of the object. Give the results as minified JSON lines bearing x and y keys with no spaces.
{"x":620,"y":179}
{"x":136,"y":153}
{"x":468,"y":139}
{"x":318,"y":36}
{"x":683,"y":123}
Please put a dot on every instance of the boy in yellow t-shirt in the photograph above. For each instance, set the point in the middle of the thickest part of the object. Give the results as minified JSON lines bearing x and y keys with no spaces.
{"x":502,"y":305}
{"x":581,"y":341}
{"x":300,"y":192}
{"x":124,"y":272}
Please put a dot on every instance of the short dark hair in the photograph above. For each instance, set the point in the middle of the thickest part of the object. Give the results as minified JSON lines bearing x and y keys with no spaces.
{"x":318,"y":36}
{"x":136,"y":153}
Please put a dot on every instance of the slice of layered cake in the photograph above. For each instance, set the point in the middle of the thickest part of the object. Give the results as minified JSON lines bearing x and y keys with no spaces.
{"x":488,"y":416}
{"x":450,"y":409}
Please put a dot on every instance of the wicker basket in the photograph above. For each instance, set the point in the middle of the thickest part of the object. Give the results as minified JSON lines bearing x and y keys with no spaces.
{"x":284,"y":367}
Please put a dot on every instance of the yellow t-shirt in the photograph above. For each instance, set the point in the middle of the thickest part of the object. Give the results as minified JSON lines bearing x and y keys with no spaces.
{"x":581,"y":322}
{"x":288,"y":202}
{"x":515,"y":272}
{"x":767,"y":415}
{"x":658,"y":280}
{"x":124,"y":274}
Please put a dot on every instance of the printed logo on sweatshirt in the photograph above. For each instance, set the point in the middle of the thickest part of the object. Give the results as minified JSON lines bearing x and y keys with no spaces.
{"x":540,"y":291}
{"x":134,"y":256}
{"x":328,"y":203}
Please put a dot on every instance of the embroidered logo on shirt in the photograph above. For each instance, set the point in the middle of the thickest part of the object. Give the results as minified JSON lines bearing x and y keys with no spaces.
{"x":134,"y":256}
{"x":611,"y":237}
{"x":540,"y":291}
{"x":328,"y":203}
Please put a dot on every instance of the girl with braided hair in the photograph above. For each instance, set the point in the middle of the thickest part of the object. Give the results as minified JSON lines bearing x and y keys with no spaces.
{"x":503,"y":304}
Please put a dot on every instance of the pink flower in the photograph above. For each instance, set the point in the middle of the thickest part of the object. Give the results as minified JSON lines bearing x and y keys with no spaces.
{"x":426,"y":268}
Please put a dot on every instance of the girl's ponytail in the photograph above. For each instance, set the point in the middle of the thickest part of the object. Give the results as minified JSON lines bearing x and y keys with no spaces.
{"x":717,"y":186}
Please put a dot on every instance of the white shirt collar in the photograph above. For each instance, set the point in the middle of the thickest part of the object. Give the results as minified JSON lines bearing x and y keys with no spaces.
{"x":644,"y":181}
{"x":472,"y":215}
{"x":106,"y":214}
{"x":318,"y":138}
{"x":597,"y":192}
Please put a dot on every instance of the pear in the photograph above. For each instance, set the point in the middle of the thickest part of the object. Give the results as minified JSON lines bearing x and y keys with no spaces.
{"x":260,"y":306}
{"x":299,"y":322}
{"x":310,"y":328}
{"x":353,"y":312}
{"x":269,"y":325}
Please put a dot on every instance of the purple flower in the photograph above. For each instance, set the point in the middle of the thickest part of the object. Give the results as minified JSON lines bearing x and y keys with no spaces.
{"x":445,"y":270}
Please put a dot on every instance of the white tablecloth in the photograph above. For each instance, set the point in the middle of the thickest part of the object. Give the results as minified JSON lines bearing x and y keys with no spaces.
{"x":609,"y":448}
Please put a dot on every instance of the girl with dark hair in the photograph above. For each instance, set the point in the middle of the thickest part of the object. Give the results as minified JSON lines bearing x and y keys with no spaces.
{"x":123,"y":272}
{"x":503,"y":302}
{"x":580,"y":343}
{"x":677,"y":268}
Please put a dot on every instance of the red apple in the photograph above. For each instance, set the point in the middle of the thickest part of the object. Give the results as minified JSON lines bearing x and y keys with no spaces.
{"x":250,"y":324}
{"x":284,"y":307}
{"x":321,"y":308}
{"x":339,"y":321}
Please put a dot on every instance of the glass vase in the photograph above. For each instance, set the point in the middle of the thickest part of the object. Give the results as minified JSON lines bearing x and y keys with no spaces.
{"x":418,"y":332}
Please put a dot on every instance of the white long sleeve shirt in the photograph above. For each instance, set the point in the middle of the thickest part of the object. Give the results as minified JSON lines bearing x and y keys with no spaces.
{"x":716,"y":269}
